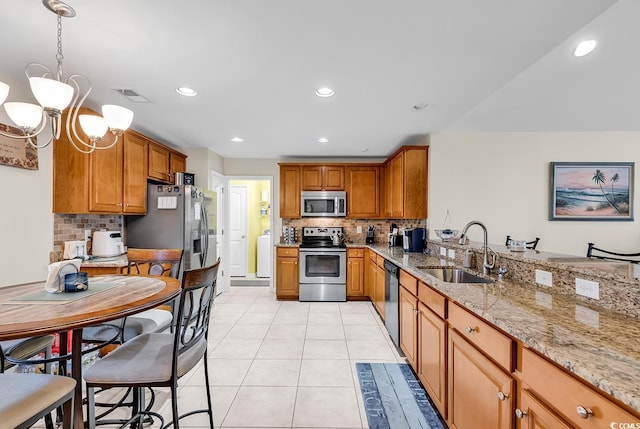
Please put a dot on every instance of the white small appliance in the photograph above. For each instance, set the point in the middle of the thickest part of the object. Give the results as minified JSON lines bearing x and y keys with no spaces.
{"x":107,"y":243}
{"x":264,"y":256}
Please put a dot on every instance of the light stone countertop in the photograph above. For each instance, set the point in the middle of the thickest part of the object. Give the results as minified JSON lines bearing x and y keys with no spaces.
{"x":598,"y":345}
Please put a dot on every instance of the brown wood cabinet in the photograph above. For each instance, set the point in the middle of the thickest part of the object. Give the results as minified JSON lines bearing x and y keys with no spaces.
{"x":105,"y":181}
{"x":289,"y":191}
{"x":533,"y":414}
{"x":164,"y":162}
{"x":408,"y":315}
{"x":287,"y":275}
{"x":569,"y":398}
{"x":432,"y":356}
{"x":405,"y":195}
{"x":481,"y":394}
{"x":355,"y":273}
{"x":370,"y":275}
{"x":322,"y":177}
{"x":363,"y":192}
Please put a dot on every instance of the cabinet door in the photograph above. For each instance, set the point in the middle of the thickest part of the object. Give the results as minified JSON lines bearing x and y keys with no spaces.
{"x":105,"y":179}
{"x":379,"y":291}
{"x":396,"y":185}
{"x":333,"y":178}
{"x":533,"y":414}
{"x":415,"y":184}
{"x":135,"y":174}
{"x":290,"y":191}
{"x":177,"y":164}
{"x":370,"y":278}
{"x":312,"y":178}
{"x":355,"y":277}
{"x":408,"y":326}
{"x":363,"y":192}
{"x":287,"y":277}
{"x":480,"y":393}
{"x":432,"y":356}
{"x":158,"y":163}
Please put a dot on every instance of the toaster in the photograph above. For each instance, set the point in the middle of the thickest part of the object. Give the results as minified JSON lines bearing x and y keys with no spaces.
{"x":107,"y":243}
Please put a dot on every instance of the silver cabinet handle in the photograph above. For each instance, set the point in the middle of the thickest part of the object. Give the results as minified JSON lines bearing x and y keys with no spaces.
{"x":502,"y":396}
{"x":583,"y":412}
{"x":520,"y":414}
{"x":470,"y":330}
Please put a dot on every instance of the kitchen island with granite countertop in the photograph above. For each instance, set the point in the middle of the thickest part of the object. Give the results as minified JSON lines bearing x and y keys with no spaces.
{"x":597,"y":345}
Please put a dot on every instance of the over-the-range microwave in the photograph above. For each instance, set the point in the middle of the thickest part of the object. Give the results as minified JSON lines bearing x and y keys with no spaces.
{"x":324,"y":203}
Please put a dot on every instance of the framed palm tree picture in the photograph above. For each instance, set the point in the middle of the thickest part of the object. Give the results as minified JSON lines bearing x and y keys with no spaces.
{"x":592,"y":191}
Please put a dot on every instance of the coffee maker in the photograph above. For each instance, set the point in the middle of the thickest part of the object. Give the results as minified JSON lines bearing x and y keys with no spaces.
{"x":395,"y":239}
{"x":413,"y":239}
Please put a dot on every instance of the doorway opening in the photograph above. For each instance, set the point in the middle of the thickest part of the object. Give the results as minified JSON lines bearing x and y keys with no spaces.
{"x":249,"y":231}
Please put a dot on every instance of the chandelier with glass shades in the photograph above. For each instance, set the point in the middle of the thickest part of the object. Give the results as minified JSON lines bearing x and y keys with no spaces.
{"x":55,"y":93}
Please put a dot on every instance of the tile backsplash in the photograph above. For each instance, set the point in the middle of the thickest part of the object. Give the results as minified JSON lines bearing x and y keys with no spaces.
{"x":351,"y":226}
{"x":67,"y":227}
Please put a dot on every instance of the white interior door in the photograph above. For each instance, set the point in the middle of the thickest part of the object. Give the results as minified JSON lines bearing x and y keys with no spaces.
{"x":238,"y":231}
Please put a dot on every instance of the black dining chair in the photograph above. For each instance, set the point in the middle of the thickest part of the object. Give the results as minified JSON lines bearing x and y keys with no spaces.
{"x":595,"y":252}
{"x":530,"y":244}
{"x":161,"y":359}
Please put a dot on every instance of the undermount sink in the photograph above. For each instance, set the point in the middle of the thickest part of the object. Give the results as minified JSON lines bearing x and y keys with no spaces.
{"x":453,"y":275}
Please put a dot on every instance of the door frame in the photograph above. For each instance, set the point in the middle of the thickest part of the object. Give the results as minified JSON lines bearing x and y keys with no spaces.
{"x":226,"y":237}
{"x":219,"y":183}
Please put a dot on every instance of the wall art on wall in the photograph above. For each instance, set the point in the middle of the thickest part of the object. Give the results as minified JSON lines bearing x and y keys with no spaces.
{"x":591,"y":191}
{"x":17,"y":152}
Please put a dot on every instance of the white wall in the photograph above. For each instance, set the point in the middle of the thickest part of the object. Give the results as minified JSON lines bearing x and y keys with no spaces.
{"x":26,"y":222}
{"x":502,"y":180}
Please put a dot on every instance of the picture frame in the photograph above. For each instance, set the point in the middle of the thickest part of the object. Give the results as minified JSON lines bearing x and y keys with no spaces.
{"x":17,"y":152}
{"x":592,"y":191}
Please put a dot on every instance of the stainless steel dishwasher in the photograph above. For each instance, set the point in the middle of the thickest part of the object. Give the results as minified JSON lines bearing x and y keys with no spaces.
{"x":391,"y":298}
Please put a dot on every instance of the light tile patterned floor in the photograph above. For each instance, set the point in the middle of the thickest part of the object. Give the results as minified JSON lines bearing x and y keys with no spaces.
{"x":284,"y":364}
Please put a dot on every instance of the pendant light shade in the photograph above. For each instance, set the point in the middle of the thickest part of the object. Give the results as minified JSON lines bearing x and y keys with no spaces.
{"x":117,"y":117}
{"x":4,"y":91}
{"x":93,"y":126}
{"x":51,"y":94}
{"x":25,"y":115}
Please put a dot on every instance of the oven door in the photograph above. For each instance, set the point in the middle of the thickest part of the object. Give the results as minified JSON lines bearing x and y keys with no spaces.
{"x":323,"y":266}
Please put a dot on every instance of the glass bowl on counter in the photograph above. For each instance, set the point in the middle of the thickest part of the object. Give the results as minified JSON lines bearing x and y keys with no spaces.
{"x":446,"y":234}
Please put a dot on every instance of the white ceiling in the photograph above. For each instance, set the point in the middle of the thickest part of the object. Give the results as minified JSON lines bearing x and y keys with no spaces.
{"x":490,"y":65}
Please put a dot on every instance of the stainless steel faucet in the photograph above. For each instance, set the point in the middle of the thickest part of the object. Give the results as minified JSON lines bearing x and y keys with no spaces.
{"x":486,"y":266}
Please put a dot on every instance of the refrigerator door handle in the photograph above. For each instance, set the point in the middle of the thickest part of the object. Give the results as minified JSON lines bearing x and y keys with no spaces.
{"x":205,"y":237}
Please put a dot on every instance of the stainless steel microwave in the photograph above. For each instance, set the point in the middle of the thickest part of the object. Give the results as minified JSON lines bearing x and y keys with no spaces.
{"x":324,"y":203}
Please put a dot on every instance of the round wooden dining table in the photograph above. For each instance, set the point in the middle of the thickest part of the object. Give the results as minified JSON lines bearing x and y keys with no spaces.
{"x":25,"y":312}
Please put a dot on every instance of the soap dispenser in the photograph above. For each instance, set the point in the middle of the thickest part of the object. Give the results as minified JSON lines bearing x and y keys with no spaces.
{"x":467,"y":258}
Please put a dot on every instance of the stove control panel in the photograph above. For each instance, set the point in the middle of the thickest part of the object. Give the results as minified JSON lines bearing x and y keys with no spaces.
{"x":321,"y":231}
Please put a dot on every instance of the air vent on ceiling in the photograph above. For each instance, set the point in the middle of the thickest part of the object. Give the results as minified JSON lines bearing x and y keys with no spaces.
{"x":132,"y":95}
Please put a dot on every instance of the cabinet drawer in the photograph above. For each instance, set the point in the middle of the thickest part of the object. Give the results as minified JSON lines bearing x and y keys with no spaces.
{"x":432,"y":299}
{"x":372,"y":256}
{"x":563,"y":392}
{"x":380,"y":261}
{"x":355,"y":253}
{"x":287,"y":251}
{"x":495,"y":344}
{"x":409,"y":282}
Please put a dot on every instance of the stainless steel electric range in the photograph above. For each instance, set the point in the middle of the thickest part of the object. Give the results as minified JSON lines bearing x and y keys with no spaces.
{"x":323,"y":264}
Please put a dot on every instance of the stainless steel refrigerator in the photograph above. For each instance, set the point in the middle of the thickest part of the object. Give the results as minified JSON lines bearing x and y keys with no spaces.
{"x":178,"y":216}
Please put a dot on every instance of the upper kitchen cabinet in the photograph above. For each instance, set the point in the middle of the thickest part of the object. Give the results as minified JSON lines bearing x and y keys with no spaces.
{"x":405,"y":187}
{"x":164,"y":163}
{"x":363,"y":191}
{"x":104,"y":181}
{"x":322,"y":177}
{"x":289,"y":191}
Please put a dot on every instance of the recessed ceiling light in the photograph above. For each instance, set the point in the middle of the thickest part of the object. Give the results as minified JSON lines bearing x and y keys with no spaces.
{"x":364,"y":149}
{"x":420,"y":106}
{"x":325,"y":92}
{"x":236,"y":139}
{"x":584,"y":47}
{"x":187,"y":92}
{"x":323,"y":140}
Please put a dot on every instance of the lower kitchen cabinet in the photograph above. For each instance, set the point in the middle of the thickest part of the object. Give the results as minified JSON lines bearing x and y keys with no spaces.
{"x":287,"y":273}
{"x":355,"y":273}
{"x":533,"y":414}
{"x":480,"y":392}
{"x":408,"y":325}
{"x":432,"y":356}
{"x":570,"y":399}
